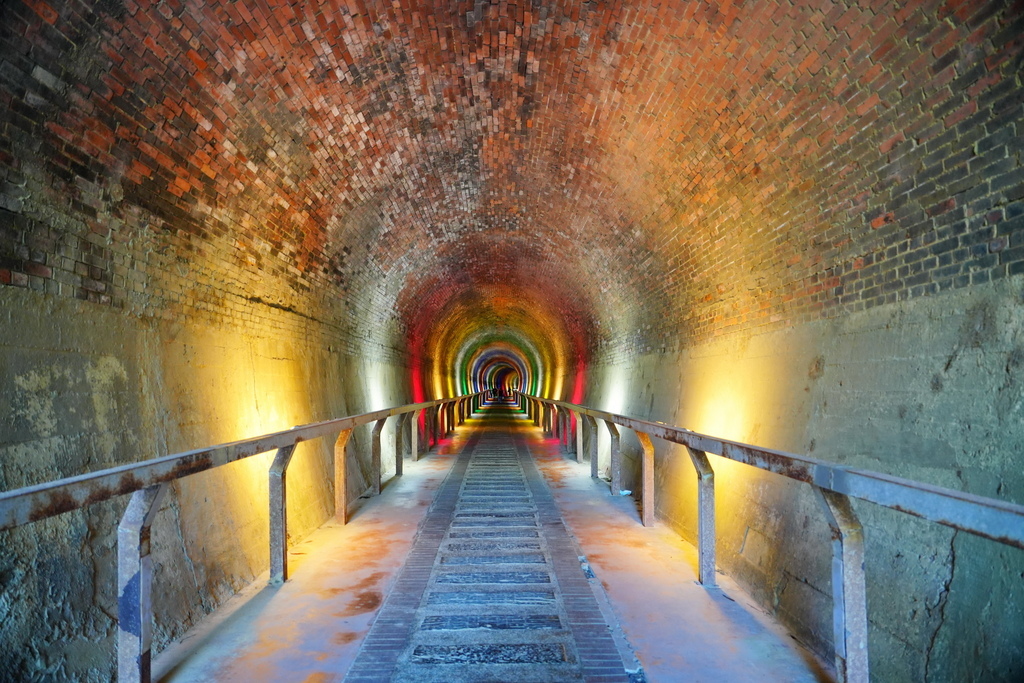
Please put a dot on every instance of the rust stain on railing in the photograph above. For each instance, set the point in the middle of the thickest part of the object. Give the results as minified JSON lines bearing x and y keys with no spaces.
{"x":33,"y":503}
{"x":834,"y":484}
{"x":997,"y":520}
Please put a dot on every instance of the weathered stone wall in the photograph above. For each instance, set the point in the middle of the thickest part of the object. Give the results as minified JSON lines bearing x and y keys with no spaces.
{"x":650,"y":185}
{"x":86,"y":387}
{"x":930,"y":390}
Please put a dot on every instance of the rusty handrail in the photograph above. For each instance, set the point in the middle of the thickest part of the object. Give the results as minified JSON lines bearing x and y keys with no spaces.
{"x":998,"y":520}
{"x":148,"y":482}
{"x":834,"y":485}
{"x":33,"y":503}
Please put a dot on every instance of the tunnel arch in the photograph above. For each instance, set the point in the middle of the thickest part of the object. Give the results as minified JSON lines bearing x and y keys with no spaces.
{"x":493,"y":362}
{"x":361,"y":160}
{"x":681,"y":210}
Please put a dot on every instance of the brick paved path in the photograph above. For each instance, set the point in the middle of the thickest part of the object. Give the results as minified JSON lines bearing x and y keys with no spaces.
{"x":492,"y":589}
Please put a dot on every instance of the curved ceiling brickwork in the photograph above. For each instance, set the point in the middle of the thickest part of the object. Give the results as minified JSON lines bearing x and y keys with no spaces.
{"x":608,"y":178}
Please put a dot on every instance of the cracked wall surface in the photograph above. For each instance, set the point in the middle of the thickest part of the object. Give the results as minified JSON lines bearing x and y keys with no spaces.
{"x":801,"y":224}
{"x":85,"y":389}
{"x":943,"y":605}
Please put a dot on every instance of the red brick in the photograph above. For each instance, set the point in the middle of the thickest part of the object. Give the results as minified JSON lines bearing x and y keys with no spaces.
{"x":961,"y":114}
{"x":883,"y":219}
{"x":37,"y":269}
{"x":887,"y":146}
{"x":48,"y":14}
{"x":942,"y":207}
{"x":446,"y":154}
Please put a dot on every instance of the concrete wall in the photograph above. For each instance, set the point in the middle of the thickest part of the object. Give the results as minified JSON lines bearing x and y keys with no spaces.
{"x":87,"y":387}
{"x":930,"y":389}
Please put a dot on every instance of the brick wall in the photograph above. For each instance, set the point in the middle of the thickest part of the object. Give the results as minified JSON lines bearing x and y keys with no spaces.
{"x":613,"y":179}
{"x":741,"y":165}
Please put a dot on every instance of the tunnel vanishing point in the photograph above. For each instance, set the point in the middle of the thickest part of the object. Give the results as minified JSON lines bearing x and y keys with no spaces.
{"x":793,"y":224}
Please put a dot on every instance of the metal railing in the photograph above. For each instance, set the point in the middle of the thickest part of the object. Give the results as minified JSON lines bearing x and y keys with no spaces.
{"x":834,"y":485}
{"x":148,"y":480}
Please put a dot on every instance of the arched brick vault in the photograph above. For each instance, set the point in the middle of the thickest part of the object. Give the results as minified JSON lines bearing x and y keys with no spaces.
{"x":646,"y":174}
{"x":689,"y":211}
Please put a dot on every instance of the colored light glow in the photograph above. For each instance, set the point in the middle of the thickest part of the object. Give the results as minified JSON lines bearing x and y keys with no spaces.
{"x":616,"y":383}
{"x":484,"y":361}
{"x":579,"y":386}
{"x":375,"y":393}
{"x":465,"y":338}
{"x":481,"y":350}
{"x":238,"y":388}
{"x":499,"y":373}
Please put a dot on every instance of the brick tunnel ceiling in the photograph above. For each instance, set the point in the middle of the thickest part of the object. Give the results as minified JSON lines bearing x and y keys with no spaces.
{"x":587,"y":178}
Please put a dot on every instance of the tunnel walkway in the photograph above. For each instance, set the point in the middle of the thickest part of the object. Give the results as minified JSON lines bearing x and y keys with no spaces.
{"x":493,"y":588}
{"x":522,"y":569}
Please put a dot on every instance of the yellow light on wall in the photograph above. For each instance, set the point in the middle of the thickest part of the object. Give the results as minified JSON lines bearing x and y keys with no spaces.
{"x":375,"y":387}
{"x":617,"y":386}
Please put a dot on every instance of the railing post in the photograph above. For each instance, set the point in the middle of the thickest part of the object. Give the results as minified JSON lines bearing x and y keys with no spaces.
{"x":579,"y":436}
{"x":592,"y":423}
{"x":341,"y":477}
{"x":435,"y":424}
{"x":378,"y":427}
{"x":451,"y":417}
{"x":414,"y":435}
{"x":706,"y":528}
{"x":616,"y":464}
{"x":569,"y":422}
{"x":400,"y":421}
{"x":647,"y":475}
{"x":567,"y":430}
{"x":134,"y":586}
{"x":849,"y":597}
{"x":279,"y":515}
{"x":428,"y":429}
{"x":537,"y":412}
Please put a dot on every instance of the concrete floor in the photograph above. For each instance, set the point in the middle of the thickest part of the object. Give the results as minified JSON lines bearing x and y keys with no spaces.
{"x":311,"y":628}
